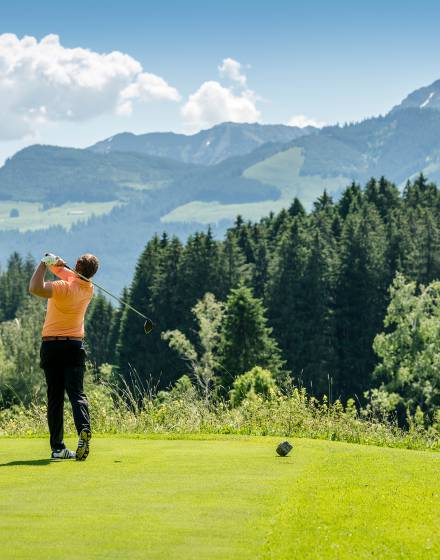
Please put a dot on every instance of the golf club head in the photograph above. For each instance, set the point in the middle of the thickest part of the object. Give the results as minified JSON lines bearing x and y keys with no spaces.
{"x":148,"y":326}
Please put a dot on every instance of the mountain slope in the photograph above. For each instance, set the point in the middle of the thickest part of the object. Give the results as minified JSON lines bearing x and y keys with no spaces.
{"x":167,"y":194}
{"x":399,"y":145}
{"x":56,"y":175}
{"x":207,"y":147}
{"x":427,"y":97}
{"x":53,"y":176}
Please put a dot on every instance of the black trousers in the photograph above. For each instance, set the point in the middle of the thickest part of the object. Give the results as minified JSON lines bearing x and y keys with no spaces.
{"x":63,"y":362}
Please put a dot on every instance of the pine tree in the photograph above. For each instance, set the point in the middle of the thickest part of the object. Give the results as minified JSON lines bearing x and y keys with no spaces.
{"x":201,"y":268}
{"x":287,"y":308}
{"x":296,"y":208}
{"x":361,"y":298}
{"x":14,"y":285}
{"x":246,"y":340}
{"x":318,"y":362}
{"x":115,"y":328}
{"x":98,"y":328}
{"x":385,"y":197}
{"x":233,"y":267}
{"x":351,"y":200}
{"x":136,"y":356}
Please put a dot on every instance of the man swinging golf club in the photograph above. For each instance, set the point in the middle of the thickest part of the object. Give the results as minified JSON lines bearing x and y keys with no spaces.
{"x":62,"y":354}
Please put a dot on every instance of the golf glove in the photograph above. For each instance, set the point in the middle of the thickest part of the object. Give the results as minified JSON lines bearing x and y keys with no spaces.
{"x":49,"y":259}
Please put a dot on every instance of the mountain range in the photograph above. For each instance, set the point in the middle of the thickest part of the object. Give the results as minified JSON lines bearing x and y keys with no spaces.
{"x":180,"y":183}
{"x":207,"y":147}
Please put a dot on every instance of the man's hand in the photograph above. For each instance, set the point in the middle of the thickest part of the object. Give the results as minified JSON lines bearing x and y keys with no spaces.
{"x":49,"y":259}
{"x":60,"y":262}
{"x":52,"y":260}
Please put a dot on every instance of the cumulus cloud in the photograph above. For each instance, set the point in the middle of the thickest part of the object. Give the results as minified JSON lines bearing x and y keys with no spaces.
{"x":42,"y":81}
{"x":302,"y":121}
{"x":212,"y":104}
{"x":231,"y":69}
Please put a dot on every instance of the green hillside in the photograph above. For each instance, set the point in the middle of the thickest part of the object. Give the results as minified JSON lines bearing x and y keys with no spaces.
{"x":282,"y":170}
{"x":220,"y":499}
{"x":57,"y":175}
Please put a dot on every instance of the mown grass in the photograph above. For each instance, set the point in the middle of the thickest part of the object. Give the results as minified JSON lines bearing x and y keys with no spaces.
{"x":218,"y":498}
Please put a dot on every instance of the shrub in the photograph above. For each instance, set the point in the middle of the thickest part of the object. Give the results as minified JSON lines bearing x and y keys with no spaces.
{"x":257,"y":381}
{"x":185,"y":411}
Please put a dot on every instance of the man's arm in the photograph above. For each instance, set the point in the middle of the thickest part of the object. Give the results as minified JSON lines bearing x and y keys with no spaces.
{"x":37,"y":285}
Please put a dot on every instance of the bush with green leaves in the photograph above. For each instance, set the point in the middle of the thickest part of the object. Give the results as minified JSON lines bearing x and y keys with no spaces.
{"x":185,"y":411}
{"x":208,"y":313}
{"x":21,"y":379}
{"x":409,"y":349}
{"x":257,"y":381}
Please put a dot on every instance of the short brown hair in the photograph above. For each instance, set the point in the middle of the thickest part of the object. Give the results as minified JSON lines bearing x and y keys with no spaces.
{"x":87,"y":265}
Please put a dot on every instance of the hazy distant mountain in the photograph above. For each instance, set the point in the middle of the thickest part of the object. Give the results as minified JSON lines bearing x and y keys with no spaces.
{"x":399,"y":145}
{"x":207,"y":147}
{"x":427,"y":97}
{"x":53,"y":175}
{"x":180,"y":183}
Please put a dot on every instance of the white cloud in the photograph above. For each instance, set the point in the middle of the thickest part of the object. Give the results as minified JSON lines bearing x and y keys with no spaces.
{"x":212,"y":104}
{"x":302,"y":121}
{"x":231,"y":69}
{"x":42,"y":81}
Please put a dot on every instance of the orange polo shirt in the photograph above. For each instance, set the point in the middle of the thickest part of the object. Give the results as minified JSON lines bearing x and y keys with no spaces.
{"x":68,"y":304}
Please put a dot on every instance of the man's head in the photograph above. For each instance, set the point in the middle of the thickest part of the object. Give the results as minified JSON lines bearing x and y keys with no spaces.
{"x":87,"y":265}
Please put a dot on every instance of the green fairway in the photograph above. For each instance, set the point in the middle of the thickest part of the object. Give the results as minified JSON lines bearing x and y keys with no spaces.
{"x":218,"y":498}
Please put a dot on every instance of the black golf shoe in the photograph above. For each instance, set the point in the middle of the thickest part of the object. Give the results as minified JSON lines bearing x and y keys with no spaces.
{"x":83,"y":445}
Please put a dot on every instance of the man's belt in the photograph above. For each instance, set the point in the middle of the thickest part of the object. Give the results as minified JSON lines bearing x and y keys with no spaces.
{"x":46,"y":338}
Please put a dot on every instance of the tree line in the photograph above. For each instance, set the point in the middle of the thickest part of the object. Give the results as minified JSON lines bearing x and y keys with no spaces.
{"x":304,"y":293}
{"x":322,"y":279}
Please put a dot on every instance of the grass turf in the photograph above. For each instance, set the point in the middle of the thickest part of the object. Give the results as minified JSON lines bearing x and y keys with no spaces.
{"x":218,"y":498}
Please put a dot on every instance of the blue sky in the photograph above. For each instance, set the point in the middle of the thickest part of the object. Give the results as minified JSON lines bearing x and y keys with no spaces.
{"x":327,"y":61}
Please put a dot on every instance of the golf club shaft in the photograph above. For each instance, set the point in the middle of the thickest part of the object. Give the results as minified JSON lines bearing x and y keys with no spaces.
{"x":122,"y":302}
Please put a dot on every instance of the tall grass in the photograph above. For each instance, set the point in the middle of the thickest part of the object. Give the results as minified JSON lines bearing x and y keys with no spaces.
{"x":292,"y":414}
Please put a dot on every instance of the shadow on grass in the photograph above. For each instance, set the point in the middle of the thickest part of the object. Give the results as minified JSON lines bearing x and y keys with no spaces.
{"x":30,"y":463}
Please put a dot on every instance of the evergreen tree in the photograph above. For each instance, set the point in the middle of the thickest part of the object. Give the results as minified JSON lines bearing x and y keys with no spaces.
{"x":98,"y":328}
{"x":361,"y":298}
{"x":296,"y":208}
{"x":200,"y":270}
{"x":287,"y":308}
{"x":246,"y":340}
{"x":233,"y":267}
{"x":14,"y":283}
{"x":351,"y":200}
{"x":421,"y":193}
{"x":136,"y":353}
{"x":420,"y":245}
{"x":115,"y":328}
{"x":385,"y":197}
{"x":318,"y":362}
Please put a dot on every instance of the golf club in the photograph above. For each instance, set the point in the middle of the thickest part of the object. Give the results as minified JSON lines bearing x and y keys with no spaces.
{"x":148,"y":324}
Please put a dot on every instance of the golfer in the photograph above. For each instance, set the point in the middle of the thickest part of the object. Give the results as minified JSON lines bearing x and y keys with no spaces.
{"x":62,"y":354}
